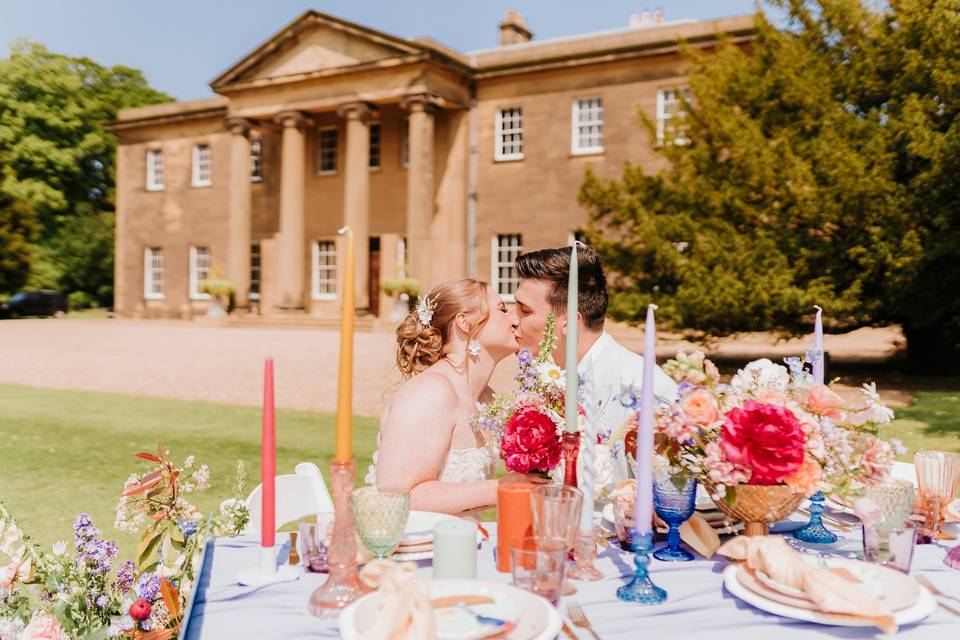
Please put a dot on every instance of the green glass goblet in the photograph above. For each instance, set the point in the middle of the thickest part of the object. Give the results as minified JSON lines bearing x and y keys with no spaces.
{"x":380,"y":518}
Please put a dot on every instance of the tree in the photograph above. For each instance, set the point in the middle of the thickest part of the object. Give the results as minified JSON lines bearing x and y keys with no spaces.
{"x":17,"y":227}
{"x":821,"y":166}
{"x":56,"y":159}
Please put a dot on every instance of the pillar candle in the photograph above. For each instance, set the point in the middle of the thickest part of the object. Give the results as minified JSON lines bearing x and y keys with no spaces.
{"x":643,"y":513}
{"x":455,"y":549}
{"x":571,"y":363}
{"x":818,"y":347}
{"x":514,"y":519}
{"x":344,"y":423}
{"x":268,"y":459}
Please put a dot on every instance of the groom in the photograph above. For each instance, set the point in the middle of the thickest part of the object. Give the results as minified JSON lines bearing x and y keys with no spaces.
{"x":607,"y":364}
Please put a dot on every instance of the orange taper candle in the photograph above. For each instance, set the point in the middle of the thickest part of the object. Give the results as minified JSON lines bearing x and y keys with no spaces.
{"x":344,"y":432}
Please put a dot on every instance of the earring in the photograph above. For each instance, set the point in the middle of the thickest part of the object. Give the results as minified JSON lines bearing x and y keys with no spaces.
{"x":474,"y":348}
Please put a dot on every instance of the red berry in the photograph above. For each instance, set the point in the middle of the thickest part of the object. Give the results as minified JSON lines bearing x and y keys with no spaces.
{"x":140,"y":609}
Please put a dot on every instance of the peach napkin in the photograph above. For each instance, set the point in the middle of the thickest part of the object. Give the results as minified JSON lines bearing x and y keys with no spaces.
{"x":696,"y":531}
{"x":829,"y":591}
{"x":405,"y":612}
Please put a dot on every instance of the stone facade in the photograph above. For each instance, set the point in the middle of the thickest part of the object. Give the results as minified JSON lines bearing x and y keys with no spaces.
{"x":440,"y":200}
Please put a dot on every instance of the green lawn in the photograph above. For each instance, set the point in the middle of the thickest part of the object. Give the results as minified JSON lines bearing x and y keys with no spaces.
{"x":62,"y":452}
{"x":931,"y":422}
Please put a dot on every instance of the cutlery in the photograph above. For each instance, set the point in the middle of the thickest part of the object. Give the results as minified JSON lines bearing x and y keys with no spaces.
{"x":487,"y":620}
{"x":925,"y":581}
{"x":569,"y":632}
{"x":839,"y":524}
{"x":579,"y":618}
{"x":294,"y":557}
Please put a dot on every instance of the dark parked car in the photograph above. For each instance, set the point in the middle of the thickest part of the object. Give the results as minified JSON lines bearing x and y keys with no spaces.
{"x":34,"y":303}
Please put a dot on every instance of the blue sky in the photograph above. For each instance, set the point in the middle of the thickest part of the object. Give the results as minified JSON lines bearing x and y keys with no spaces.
{"x":182,"y":44}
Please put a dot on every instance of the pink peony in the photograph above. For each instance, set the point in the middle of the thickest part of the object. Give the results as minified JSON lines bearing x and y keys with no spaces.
{"x":43,"y":627}
{"x":700,"y":407}
{"x":764,"y":438}
{"x":877,"y":459}
{"x":530,"y":442}
{"x":722,"y":471}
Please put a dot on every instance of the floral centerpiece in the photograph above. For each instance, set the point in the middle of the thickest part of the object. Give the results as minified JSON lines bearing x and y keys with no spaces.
{"x":77,"y":591}
{"x":772,"y":426}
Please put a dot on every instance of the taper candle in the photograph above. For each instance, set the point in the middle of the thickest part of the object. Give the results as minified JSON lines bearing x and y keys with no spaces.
{"x":818,"y":369}
{"x":571,"y":363}
{"x":268,"y":459}
{"x":344,"y":422}
{"x":643,"y":511}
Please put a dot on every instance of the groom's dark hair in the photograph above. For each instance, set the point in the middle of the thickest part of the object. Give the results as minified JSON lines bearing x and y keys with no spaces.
{"x":553,"y":267}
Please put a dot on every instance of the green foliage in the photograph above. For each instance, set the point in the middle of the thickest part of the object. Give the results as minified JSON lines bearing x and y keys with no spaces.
{"x":80,"y":300}
{"x":218,"y":288}
{"x":821,"y":167}
{"x":409,"y":286}
{"x":17,"y":227}
{"x":57,"y":161}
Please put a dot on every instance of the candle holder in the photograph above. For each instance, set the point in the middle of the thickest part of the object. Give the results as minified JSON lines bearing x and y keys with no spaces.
{"x":584,"y":553}
{"x":343,"y":586}
{"x":814,"y":531}
{"x":641,"y":589}
{"x":267,"y":571}
{"x":570,"y":443}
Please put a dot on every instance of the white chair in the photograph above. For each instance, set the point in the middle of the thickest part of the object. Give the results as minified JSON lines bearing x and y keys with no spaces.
{"x":297,"y":494}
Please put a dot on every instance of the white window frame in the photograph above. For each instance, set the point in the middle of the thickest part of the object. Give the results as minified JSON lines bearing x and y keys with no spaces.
{"x":663,"y":115}
{"x":315,"y":269}
{"x":256,"y":160}
{"x":149,"y":271}
{"x":256,"y":248}
{"x":505,"y":126}
{"x":379,"y":147}
{"x":579,"y":105}
{"x":155,"y":179}
{"x":320,"y":171}
{"x":195,"y":293}
{"x":496,"y":263}
{"x":196,"y":179}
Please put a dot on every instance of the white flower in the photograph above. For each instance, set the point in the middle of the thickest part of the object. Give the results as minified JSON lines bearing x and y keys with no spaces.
{"x":188,"y":462}
{"x":202,"y":477}
{"x":603,"y":481}
{"x":761,"y":374}
{"x":551,"y":374}
{"x":59,"y":547}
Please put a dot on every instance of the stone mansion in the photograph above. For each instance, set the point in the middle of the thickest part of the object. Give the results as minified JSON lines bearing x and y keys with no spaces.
{"x":444,"y":163}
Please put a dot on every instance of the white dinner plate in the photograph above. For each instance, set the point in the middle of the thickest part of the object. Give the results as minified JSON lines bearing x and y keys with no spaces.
{"x":535,"y":618}
{"x":924,"y":606}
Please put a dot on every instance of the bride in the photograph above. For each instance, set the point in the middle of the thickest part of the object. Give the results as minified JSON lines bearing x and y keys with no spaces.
{"x":446,"y":351}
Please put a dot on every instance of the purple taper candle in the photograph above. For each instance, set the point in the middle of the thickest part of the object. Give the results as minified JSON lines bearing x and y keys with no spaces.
{"x":643,"y":510}
{"x":818,"y":347}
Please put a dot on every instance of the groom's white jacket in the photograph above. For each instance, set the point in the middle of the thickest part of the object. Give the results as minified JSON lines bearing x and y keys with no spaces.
{"x":608,"y":366}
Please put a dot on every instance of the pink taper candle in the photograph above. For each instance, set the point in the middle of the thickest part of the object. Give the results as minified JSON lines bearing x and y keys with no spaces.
{"x":643,"y":510}
{"x":818,"y":347}
{"x":268,"y":459}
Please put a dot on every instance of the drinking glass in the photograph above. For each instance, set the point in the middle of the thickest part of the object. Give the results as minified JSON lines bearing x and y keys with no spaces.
{"x":315,"y":532}
{"x":895,"y":499}
{"x":623,"y":521}
{"x":380,"y":518}
{"x":674,"y":499}
{"x":538,"y":566}
{"x":555,"y":511}
{"x":892,"y":548}
{"x":938,"y":478}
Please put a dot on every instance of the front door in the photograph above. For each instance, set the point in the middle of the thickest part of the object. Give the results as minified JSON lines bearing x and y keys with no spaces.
{"x":374,"y":276}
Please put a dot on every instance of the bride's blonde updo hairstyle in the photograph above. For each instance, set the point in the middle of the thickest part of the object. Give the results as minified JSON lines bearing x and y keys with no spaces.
{"x":421,"y":345}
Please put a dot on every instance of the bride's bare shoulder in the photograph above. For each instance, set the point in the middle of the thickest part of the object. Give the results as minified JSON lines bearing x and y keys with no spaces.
{"x":427,"y":392}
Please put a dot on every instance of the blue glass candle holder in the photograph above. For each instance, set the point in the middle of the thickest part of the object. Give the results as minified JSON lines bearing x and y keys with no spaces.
{"x":674,"y":499}
{"x":641,"y":589}
{"x":814,"y":531}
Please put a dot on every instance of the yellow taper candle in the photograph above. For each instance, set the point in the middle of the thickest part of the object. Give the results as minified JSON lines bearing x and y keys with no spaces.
{"x":344,"y":433}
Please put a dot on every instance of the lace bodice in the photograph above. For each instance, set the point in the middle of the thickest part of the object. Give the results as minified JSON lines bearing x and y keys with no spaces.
{"x":461,"y":465}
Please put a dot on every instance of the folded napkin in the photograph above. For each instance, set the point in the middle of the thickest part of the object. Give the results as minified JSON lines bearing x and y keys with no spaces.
{"x":405,"y":612}
{"x":696,"y":531}
{"x":828,"y":590}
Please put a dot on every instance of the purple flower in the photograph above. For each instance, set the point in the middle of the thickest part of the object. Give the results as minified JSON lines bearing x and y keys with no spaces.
{"x":189,"y":527}
{"x":148,"y":586}
{"x":126,"y":576}
{"x":524,"y":357}
{"x":102,"y":601}
{"x":83,"y":530}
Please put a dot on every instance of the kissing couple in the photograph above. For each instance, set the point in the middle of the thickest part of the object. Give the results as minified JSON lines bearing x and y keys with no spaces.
{"x":447,"y":351}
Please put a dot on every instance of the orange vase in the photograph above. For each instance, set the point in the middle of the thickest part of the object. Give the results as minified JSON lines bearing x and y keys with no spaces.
{"x":514,"y":520}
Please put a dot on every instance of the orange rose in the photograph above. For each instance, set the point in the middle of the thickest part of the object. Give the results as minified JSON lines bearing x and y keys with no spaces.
{"x":701,"y":407}
{"x":772,"y":396}
{"x":806,"y":479}
{"x":824,"y":401}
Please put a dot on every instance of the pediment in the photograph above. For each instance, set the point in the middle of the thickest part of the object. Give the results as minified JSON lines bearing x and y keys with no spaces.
{"x":314,"y":42}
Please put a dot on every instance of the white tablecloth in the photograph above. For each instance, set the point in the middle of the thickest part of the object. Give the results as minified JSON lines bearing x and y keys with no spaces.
{"x":698,"y":606}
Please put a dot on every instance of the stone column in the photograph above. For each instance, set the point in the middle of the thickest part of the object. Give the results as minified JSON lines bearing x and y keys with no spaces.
{"x":356,"y":197}
{"x":420,"y":196}
{"x":292,"y":246}
{"x":238,"y":225}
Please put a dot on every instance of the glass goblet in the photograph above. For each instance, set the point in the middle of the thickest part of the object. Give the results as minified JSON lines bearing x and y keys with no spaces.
{"x":674,"y":499}
{"x":938,"y":478}
{"x":316,"y":530}
{"x":555,"y":511}
{"x":380,"y":518}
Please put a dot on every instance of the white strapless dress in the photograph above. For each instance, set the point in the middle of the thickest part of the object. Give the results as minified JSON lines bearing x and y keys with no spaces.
{"x":461,"y":465}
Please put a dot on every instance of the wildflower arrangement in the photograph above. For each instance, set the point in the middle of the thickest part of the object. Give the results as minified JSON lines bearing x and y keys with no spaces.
{"x":79,"y":591}
{"x":772,"y":424}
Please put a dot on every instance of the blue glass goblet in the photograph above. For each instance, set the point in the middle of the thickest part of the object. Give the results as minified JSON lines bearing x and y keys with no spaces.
{"x":674,"y":499}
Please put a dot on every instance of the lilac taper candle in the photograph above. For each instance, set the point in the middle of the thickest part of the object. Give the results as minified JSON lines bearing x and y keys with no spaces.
{"x":643,"y":510}
{"x":818,"y":347}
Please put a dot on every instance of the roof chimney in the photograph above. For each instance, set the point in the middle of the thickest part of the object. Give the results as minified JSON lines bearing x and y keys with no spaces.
{"x":514,"y":29}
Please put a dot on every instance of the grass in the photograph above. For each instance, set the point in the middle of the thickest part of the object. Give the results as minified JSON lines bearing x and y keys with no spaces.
{"x":932,"y":421}
{"x":63,"y":452}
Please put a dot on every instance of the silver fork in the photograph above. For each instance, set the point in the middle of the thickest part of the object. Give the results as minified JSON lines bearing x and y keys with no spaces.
{"x":579,"y":618}
{"x":925,"y":581}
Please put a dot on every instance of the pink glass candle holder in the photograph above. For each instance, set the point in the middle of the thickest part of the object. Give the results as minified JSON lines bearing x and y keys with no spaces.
{"x":570,"y":444}
{"x":584,"y":553}
{"x":343,"y":586}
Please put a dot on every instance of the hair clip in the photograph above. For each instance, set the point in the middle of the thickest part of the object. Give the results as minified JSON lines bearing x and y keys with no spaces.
{"x":425,"y":309}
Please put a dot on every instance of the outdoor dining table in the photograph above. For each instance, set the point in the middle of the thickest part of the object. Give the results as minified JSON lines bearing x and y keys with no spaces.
{"x":698,"y":606}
